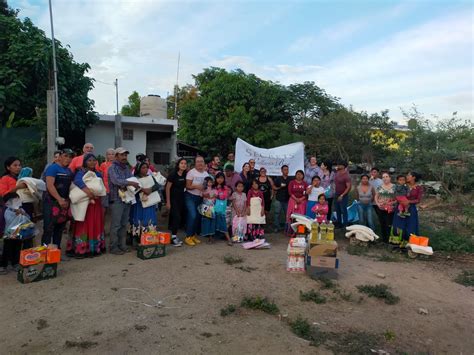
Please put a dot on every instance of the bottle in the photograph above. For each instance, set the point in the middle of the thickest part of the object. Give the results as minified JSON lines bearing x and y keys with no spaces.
{"x":330,"y":233}
{"x":314,"y":232}
{"x":323,"y":227}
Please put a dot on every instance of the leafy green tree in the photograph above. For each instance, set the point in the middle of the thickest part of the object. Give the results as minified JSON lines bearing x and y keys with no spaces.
{"x":235,"y":104}
{"x":185,"y":94}
{"x":26,"y":74}
{"x":133,"y":107}
{"x":349,"y":135}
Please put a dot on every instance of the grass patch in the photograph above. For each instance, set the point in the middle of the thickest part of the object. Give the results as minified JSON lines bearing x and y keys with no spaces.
{"x":354,"y":343}
{"x":381,"y":291}
{"x":301,"y":328}
{"x":339,"y":343}
{"x":390,"y":258}
{"x":231,"y":259}
{"x":466,"y":278}
{"x":229,"y":309}
{"x":346,"y":296}
{"x":327,"y":283}
{"x":389,"y":335}
{"x":259,"y":303}
{"x":80,"y":344}
{"x":449,"y":240}
{"x":313,"y":296}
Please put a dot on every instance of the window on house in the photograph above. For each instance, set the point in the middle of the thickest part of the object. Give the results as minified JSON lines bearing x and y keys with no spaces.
{"x":127,"y":134}
{"x":161,"y":158}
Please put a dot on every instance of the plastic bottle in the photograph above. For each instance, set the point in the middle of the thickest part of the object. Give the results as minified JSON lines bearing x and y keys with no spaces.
{"x":314,"y":232}
{"x":330,"y":233}
{"x":323,"y":227}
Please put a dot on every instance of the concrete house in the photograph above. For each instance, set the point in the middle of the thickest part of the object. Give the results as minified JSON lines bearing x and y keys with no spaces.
{"x":152,"y":134}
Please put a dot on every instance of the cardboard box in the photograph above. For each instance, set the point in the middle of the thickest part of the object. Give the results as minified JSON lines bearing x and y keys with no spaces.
{"x":164,"y":237}
{"x":150,"y":238}
{"x":328,"y":248}
{"x":146,"y":252}
{"x":33,"y":256}
{"x":39,"y":272}
{"x":323,"y":261}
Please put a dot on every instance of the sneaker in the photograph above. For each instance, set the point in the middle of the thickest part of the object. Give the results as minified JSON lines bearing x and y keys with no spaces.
{"x":3,"y":271}
{"x":189,"y":241}
{"x":195,"y":240}
{"x":176,"y":242}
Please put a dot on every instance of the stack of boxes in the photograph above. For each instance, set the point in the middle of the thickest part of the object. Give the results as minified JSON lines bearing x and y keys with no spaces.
{"x":153,"y":244}
{"x":296,"y":251}
{"x":321,"y":254}
{"x":37,"y":264}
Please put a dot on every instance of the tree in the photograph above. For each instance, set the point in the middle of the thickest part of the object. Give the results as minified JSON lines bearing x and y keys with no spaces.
{"x":185,"y":94}
{"x":133,"y":107}
{"x":352,"y":136}
{"x":235,"y":104}
{"x":26,"y":75}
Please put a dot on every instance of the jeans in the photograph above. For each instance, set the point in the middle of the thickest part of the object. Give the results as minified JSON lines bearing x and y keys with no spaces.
{"x":120,"y":213}
{"x":279,"y":208}
{"x":365,"y":215}
{"x":341,"y":210}
{"x":52,"y":232}
{"x":192,"y":217}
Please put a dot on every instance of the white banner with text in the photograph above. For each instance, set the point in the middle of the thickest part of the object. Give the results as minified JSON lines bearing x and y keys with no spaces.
{"x":271,"y":159}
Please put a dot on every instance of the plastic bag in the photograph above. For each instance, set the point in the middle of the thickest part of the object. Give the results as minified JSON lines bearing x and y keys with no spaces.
{"x":220,"y":206}
{"x":206,"y":210}
{"x":20,"y":227}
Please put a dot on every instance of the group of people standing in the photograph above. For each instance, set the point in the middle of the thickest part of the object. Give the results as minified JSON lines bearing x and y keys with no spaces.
{"x":207,"y":199}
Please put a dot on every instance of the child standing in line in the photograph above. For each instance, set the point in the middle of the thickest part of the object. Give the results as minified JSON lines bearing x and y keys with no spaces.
{"x":313,"y":191}
{"x":12,"y":247}
{"x":320,"y":209}
{"x":220,"y":206}
{"x":401,"y":192}
{"x":239,"y":207}
{"x":208,"y":223}
{"x":255,"y":201}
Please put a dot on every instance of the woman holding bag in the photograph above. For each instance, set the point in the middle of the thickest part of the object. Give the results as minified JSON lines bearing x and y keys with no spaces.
{"x":142,"y":218}
{"x":88,"y":236}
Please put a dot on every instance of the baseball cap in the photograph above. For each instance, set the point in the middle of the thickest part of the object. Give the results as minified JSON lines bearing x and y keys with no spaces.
{"x":67,"y":151}
{"x":121,"y":150}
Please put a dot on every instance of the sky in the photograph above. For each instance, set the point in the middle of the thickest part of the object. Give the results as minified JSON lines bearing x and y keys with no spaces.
{"x":374,"y":55}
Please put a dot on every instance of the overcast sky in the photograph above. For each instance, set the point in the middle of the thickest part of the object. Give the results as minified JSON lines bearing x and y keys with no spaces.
{"x":374,"y":55}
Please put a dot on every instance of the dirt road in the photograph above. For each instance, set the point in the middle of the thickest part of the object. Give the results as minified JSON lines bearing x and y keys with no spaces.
{"x":121,"y":304}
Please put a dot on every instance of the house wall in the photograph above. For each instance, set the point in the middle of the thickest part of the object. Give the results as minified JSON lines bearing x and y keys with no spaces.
{"x":103,"y":137}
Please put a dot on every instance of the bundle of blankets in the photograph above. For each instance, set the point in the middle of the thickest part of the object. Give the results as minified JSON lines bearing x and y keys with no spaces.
{"x":362,"y":233}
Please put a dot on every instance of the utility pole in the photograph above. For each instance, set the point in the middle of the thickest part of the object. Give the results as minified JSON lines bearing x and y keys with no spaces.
{"x":51,"y":125}
{"x":55,"y":75}
{"x":118,"y":120}
{"x":176,"y":90}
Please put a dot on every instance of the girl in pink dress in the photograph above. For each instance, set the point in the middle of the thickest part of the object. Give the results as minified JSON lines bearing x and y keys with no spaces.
{"x":297,"y":191}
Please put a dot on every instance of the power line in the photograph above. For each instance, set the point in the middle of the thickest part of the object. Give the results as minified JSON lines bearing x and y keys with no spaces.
{"x":103,"y":82}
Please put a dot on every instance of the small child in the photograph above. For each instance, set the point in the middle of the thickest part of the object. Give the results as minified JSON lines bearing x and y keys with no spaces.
{"x":12,"y":247}
{"x":239,"y":206}
{"x":220,"y":206}
{"x":255,"y":230}
{"x":321,"y":209}
{"x":313,"y":191}
{"x":208,"y":224}
{"x":401,"y":192}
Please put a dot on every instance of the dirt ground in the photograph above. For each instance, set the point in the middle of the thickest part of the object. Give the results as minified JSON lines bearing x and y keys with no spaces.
{"x":122,"y":304}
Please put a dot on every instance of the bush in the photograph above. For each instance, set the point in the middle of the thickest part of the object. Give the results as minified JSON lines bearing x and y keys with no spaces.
{"x":259,"y":303}
{"x":229,"y":309}
{"x":449,"y":240}
{"x":312,"y":295}
{"x":466,"y":278}
{"x":379,"y":291}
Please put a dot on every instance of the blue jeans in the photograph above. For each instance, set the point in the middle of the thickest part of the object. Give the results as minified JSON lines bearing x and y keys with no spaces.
{"x":279,"y":208}
{"x":365,"y":215}
{"x":192,"y":217}
{"x":341,"y":210}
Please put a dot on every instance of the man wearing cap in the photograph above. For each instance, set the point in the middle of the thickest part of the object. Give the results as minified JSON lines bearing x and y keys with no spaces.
{"x":56,"y":197}
{"x":76,"y":163}
{"x":119,"y":172}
